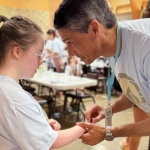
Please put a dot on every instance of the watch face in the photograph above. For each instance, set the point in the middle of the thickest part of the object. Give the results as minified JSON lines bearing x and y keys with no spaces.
{"x":110,"y":138}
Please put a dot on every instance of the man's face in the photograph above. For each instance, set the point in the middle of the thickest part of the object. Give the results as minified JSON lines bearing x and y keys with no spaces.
{"x":50,"y":36}
{"x":86,"y":46}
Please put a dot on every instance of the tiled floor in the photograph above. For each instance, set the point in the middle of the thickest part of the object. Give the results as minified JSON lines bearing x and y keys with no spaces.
{"x":125,"y":117}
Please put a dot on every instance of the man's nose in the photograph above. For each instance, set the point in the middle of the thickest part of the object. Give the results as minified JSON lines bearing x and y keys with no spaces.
{"x":71,"y":51}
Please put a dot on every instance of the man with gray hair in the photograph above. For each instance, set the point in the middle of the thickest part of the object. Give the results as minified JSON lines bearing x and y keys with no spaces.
{"x":90,"y":30}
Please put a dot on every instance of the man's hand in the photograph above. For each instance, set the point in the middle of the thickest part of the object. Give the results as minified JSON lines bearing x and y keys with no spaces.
{"x":54,"y":124}
{"x":96,"y":113}
{"x":94,"y":135}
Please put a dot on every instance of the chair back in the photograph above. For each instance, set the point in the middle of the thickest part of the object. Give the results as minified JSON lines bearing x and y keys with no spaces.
{"x":106,"y":71}
{"x":61,"y":69}
{"x":92,"y":76}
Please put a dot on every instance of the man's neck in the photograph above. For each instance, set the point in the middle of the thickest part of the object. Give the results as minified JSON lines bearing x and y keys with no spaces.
{"x":109,"y":41}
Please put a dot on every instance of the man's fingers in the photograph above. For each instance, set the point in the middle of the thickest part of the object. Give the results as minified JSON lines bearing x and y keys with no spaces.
{"x":88,"y":116}
{"x":84,"y":125}
{"x":98,"y":118}
{"x":83,"y":136}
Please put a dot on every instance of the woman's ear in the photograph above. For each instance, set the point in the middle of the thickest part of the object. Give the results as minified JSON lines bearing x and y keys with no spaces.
{"x":16,"y":51}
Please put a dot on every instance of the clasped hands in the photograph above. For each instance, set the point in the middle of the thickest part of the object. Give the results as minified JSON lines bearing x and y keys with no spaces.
{"x":95,"y":133}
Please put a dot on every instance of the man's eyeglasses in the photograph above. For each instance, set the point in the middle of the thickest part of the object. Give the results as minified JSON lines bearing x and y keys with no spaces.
{"x":40,"y":57}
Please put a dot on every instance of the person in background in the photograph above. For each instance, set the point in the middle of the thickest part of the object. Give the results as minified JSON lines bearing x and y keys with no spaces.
{"x":57,"y":49}
{"x":132,"y":143}
{"x":49,"y":53}
{"x":74,"y":68}
{"x":57,"y":34}
{"x":22,"y":122}
{"x":65,"y":55}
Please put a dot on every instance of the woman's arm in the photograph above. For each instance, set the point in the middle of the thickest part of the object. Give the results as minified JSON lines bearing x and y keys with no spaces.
{"x":66,"y":137}
{"x":71,"y":68}
{"x":79,"y":71}
{"x":51,"y":55}
{"x":48,"y":49}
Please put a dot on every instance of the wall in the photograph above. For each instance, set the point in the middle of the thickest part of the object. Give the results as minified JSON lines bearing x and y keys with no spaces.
{"x":36,"y":10}
{"x":124,"y":16}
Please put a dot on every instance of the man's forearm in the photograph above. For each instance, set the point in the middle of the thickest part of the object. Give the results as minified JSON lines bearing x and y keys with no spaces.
{"x":134,"y":129}
{"x":122,"y":103}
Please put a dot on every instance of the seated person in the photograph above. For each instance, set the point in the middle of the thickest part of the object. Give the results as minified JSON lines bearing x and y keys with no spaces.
{"x":74,"y":68}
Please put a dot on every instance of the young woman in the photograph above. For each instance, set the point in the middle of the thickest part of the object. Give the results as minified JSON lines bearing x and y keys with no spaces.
{"x":22,"y":122}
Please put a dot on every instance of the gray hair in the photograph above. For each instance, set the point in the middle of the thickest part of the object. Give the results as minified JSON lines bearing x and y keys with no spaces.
{"x":76,"y":15}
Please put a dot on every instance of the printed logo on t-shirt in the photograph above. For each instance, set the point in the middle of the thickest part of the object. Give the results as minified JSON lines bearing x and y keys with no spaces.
{"x":133,"y":92}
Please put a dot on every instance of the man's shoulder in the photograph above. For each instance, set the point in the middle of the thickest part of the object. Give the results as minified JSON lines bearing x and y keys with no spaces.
{"x":140,"y":26}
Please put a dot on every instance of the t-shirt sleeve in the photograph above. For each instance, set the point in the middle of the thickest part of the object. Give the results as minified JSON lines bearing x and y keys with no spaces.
{"x":29,"y":128}
{"x":56,"y":48}
{"x":145,"y":61}
{"x":48,"y":44}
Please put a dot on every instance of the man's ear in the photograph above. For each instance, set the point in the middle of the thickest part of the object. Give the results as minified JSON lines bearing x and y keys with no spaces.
{"x":16,"y":51}
{"x":94,"y":27}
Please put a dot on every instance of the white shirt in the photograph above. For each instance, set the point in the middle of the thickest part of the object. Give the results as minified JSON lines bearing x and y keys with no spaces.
{"x":49,"y":44}
{"x":58,"y":47}
{"x":22,"y":123}
{"x":133,"y":65}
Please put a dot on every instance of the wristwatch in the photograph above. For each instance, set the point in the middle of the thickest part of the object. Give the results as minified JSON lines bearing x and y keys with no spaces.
{"x":108,"y":135}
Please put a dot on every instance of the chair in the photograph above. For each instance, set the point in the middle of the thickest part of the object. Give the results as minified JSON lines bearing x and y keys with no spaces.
{"x":61,"y":69}
{"x":50,"y":66}
{"x":27,"y":88}
{"x":85,"y":69}
{"x":80,"y":95}
{"x":42,"y":100}
{"x":103,"y":80}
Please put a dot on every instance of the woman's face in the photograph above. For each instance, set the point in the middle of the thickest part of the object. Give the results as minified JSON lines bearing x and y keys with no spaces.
{"x":31,"y":60}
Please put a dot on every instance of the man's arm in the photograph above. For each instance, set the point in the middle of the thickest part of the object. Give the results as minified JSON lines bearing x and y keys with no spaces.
{"x":141,"y":128}
{"x":97,"y":112}
{"x":122,"y":103}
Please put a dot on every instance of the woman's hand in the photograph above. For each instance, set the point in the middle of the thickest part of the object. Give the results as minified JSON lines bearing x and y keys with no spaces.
{"x":54,"y":124}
